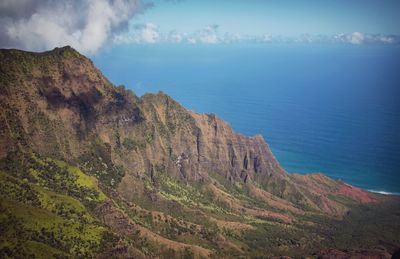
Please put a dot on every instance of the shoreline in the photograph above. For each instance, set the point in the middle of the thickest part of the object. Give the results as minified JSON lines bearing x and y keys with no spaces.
{"x":384,"y":192}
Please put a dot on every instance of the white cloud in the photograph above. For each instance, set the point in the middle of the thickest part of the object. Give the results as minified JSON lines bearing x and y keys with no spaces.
{"x":387,"y":39}
{"x":267,"y":38}
{"x":356,"y":38}
{"x":208,"y":35}
{"x":174,"y":37}
{"x":191,"y":40}
{"x":139,"y":33}
{"x":150,"y":33}
{"x":86,"y":25}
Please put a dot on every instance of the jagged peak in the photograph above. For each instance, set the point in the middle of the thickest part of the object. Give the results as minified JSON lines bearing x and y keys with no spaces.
{"x":159,"y":94}
{"x":60,"y":70}
{"x":259,"y":137}
{"x":159,"y":97}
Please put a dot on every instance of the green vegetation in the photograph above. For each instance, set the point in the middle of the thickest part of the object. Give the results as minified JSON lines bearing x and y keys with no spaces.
{"x":98,"y":163}
{"x":131,"y":144}
{"x":365,"y":226}
{"x":308,"y":235}
{"x":37,"y":220}
{"x":191,"y":195}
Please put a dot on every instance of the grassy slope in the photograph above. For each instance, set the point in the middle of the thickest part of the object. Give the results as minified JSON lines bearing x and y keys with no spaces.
{"x":192,"y":214}
{"x":39,"y":217}
{"x":46,"y":209}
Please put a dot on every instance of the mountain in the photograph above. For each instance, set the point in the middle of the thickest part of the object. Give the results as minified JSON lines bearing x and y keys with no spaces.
{"x":89,"y":169}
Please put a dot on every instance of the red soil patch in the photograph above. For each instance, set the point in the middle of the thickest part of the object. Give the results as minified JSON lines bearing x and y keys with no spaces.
{"x":355,"y":193}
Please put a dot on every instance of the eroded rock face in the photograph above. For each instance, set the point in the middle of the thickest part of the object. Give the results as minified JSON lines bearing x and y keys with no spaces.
{"x":58,"y":104}
{"x":76,"y":102}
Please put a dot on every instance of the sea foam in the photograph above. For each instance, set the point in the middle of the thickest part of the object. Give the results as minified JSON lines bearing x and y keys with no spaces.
{"x":384,"y":192}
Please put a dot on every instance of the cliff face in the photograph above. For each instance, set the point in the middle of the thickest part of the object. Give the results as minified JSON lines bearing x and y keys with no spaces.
{"x":61,"y":103}
{"x":58,"y":104}
{"x":151,"y":151}
{"x":76,"y":103}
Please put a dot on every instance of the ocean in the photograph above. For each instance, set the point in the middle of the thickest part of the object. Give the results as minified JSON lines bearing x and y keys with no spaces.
{"x":330,"y":108}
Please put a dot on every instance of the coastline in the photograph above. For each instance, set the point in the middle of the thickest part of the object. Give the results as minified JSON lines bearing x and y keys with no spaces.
{"x":384,"y":192}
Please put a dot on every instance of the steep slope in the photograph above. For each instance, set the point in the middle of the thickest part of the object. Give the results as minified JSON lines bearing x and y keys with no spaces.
{"x":181,"y":182}
{"x":63,"y":106}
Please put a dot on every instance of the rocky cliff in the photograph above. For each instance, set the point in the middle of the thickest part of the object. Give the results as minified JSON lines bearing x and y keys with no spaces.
{"x":172,"y":176}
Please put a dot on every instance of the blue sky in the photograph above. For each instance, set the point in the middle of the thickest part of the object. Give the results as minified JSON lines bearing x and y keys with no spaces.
{"x":281,"y":17}
{"x":89,"y":25}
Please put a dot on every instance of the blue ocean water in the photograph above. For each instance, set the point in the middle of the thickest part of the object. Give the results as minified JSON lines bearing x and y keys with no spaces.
{"x":322,"y":108}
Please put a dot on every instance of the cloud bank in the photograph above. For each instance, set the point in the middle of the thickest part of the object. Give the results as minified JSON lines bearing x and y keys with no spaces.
{"x":151,"y":33}
{"x":86,"y":25}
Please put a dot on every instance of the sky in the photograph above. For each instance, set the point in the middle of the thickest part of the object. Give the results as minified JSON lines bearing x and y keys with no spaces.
{"x":279,"y":16}
{"x":91,"y":25}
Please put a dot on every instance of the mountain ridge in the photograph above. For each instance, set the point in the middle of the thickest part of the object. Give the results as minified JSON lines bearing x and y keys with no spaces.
{"x":155,"y":159}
